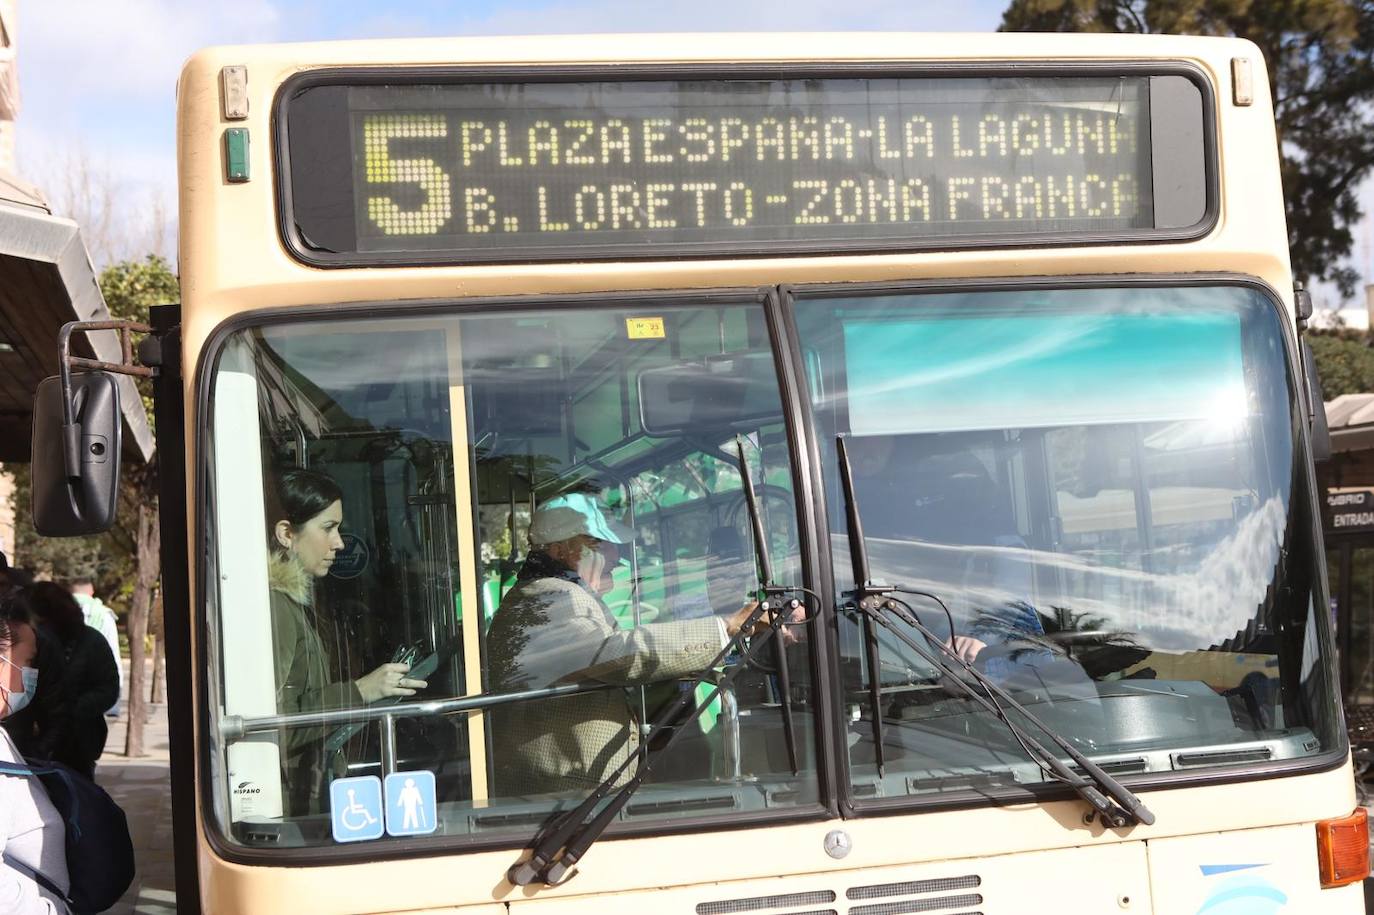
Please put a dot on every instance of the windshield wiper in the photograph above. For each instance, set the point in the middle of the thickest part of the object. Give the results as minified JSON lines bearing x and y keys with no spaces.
{"x":858,"y":559}
{"x":875,"y":602}
{"x":769,"y":589}
{"x":558,"y":847}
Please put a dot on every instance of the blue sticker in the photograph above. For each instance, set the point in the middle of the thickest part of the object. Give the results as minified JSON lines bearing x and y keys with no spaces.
{"x":410,"y":803}
{"x":1210,"y":869}
{"x":350,"y":561}
{"x":1241,"y":894}
{"x":355,"y":808}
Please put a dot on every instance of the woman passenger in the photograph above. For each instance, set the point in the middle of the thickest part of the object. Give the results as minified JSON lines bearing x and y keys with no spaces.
{"x":305,"y":509}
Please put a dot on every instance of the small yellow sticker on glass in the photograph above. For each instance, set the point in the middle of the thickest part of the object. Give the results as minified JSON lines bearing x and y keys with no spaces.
{"x":645,"y":328}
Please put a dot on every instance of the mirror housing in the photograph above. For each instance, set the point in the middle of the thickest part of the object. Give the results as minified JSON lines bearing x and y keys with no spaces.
{"x":1321,"y":434}
{"x":735,"y":392}
{"x":84,"y":499}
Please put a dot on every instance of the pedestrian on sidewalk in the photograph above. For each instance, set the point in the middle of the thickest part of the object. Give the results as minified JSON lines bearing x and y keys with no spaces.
{"x":90,"y":679}
{"x":32,"y":834}
{"x":102,"y":619}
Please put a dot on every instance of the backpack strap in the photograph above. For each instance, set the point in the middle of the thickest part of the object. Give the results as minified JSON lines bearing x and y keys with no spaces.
{"x":71,"y":818}
{"x":39,"y":878}
{"x":25,"y":770}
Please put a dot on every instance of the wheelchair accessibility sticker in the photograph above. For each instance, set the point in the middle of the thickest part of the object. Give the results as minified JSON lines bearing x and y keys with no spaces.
{"x":410,"y":803}
{"x":355,"y":808}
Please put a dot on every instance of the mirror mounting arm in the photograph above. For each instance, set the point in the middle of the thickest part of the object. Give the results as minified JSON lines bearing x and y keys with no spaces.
{"x":71,"y":432}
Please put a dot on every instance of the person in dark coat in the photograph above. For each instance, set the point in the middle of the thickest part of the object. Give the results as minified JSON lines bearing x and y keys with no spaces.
{"x":90,"y":679}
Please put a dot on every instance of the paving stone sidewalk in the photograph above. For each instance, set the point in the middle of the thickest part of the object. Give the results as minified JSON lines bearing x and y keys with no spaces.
{"x":143,"y":788}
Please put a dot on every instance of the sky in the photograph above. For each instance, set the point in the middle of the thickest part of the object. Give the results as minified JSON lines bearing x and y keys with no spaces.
{"x":98,"y":77}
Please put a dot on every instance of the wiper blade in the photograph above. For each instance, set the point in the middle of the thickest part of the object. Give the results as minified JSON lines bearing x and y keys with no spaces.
{"x":765,"y":570}
{"x":562,"y":843}
{"x":858,"y":557}
{"x":875,"y":601}
{"x":1123,"y":809}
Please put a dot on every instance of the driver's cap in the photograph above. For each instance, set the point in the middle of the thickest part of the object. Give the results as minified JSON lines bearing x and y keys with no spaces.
{"x":576,"y":513}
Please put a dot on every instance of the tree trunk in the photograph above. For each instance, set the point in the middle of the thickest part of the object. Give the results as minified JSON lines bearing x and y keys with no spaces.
{"x":159,"y":669}
{"x":148,"y":570}
{"x":159,"y":652}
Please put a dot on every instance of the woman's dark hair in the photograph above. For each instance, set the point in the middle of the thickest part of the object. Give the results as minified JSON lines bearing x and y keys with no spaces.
{"x":296,"y":496}
{"x":14,"y":610}
{"x":54,"y":605}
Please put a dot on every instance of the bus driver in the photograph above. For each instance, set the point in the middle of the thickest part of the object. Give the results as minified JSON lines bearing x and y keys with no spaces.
{"x":553,"y":628}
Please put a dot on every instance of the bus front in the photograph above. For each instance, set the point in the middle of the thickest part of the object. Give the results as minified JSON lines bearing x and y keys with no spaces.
{"x":518,"y":370}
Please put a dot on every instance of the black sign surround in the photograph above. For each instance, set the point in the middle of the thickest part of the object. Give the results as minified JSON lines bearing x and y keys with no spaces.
{"x":415,"y":167}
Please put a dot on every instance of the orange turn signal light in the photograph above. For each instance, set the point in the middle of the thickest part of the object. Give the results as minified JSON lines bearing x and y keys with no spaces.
{"x":1343,"y":849}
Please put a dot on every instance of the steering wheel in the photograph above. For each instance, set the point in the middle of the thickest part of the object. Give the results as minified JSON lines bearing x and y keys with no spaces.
{"x":628,"y":607}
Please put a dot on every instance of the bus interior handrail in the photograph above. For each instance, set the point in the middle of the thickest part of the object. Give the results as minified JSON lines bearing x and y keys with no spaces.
{"x":233,"y":727}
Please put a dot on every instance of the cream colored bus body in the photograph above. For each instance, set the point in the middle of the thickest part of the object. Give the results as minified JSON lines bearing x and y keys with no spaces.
{"x":1028,"y":858}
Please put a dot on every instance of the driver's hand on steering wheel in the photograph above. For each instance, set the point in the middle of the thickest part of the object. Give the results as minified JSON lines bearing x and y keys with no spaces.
{"x":736,"y":621}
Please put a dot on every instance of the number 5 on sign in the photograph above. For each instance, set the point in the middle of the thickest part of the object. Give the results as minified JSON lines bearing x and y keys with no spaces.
{"x":645,"y":328}
{"x":385,"y":213}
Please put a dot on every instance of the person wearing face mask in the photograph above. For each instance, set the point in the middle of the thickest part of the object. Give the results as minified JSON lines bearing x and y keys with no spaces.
{"x":554,"y":628}
{"x":41,"y":728}
{"x":304,"y":512}
{"x":32,"y":833}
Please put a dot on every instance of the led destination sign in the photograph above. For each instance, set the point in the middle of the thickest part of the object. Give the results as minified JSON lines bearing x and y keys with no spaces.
{"x":516,"y":170}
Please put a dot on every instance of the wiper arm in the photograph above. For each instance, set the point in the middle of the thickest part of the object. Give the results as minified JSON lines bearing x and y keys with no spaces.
{"x":875,"y":601}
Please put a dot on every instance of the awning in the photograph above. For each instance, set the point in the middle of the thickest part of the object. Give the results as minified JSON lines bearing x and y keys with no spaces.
{"x":46,"y":280}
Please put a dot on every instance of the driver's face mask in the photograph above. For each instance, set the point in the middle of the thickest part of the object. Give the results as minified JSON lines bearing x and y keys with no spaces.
{"x":14,"y":701}
{"x":591,"y":562}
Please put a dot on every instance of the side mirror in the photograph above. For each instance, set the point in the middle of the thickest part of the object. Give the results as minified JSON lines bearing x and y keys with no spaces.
{"x":1321,"y":434}
{"x":736,"y":392}
{"x":75,"y":460}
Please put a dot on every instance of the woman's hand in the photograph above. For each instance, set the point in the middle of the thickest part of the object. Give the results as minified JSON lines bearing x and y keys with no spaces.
{"x":388,"y":680}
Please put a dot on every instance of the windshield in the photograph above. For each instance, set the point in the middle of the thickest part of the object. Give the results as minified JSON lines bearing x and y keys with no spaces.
{"x":415,"y":519}
{"x":1099,"y":491}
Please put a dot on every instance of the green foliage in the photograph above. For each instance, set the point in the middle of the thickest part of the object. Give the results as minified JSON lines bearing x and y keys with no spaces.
{"x":1345,"y":363}
{"x":132,"y":287}
{"x":109,"y":559}
{"x":1320,"y":59}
